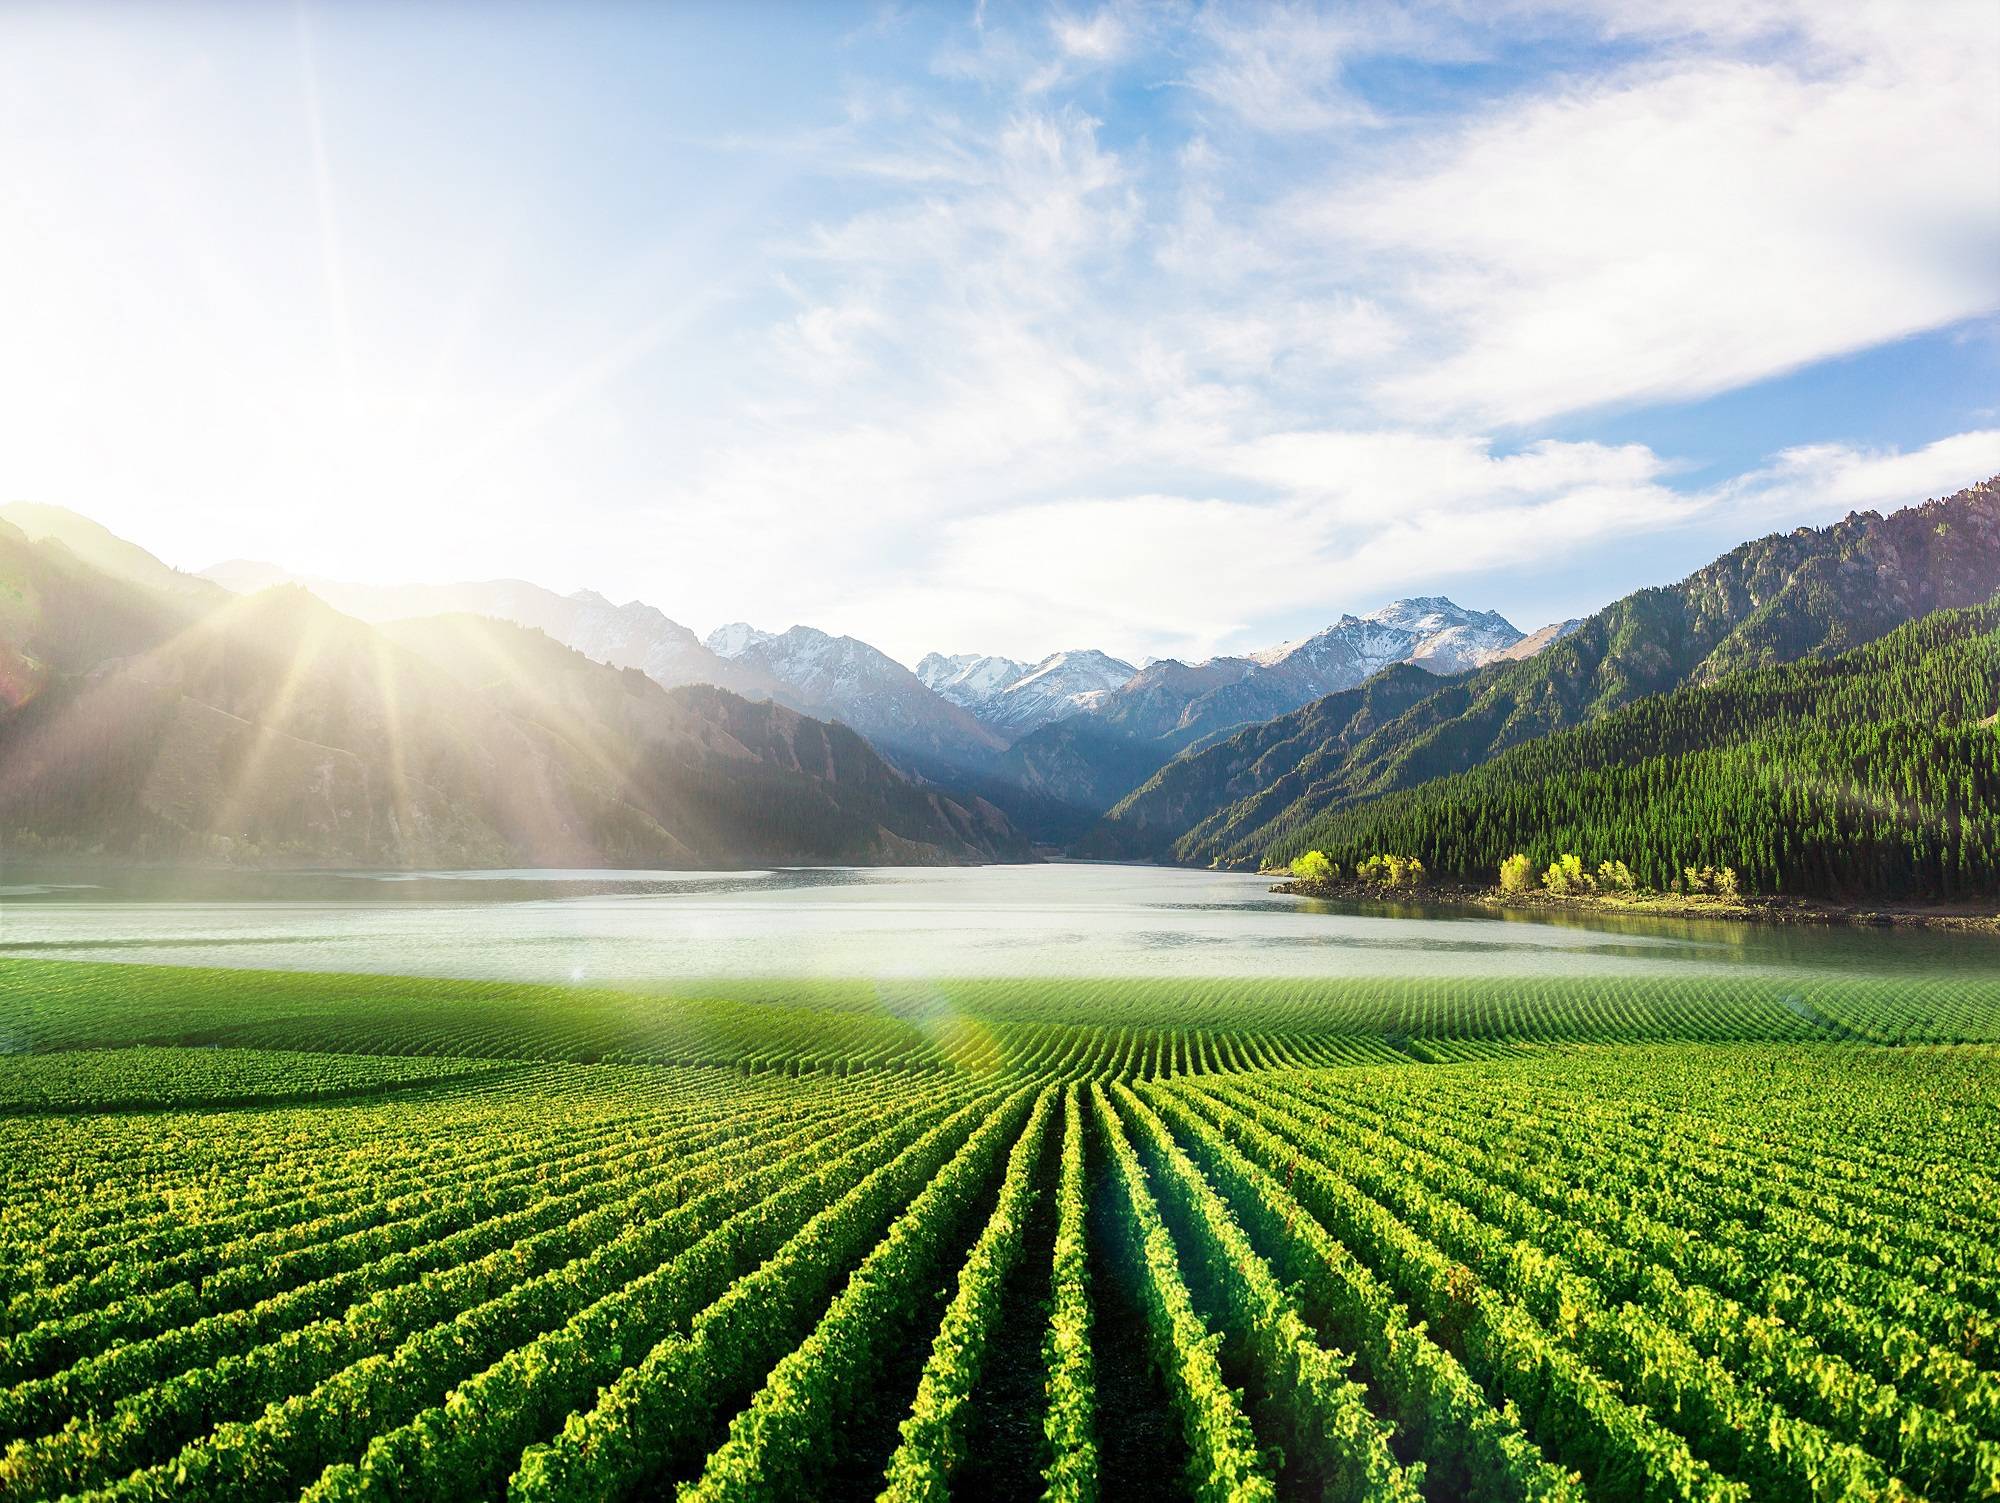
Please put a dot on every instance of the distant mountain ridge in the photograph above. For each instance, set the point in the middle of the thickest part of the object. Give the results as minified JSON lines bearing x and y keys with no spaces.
{"x":845,"y":679}
{"x":1807,"y":593}
{"x":965,"y":678}
{"x":1079,"y":767}
{"x":807,"y":670}
{"x":633,"y":635}
{"x":731,"y":640}
{"x":103,"y":550}
{"x":166,"y":724}
{"x":1204,"y":761}
{"x":1430,"y":631}
{"x":1014,"y":698}
{"x":969,"y":721}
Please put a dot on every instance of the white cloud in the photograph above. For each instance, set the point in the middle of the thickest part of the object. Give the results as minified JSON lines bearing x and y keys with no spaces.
{"x":1101,"y":38}
{"x":1156,"y":328}
{"x":1684,"y":227}
{"x":1821,"y":482}
{"x":1155,"y":396}
{"x":1352,"y":519}
{"x":1364,"y":517}
{"x":1281,"y":68}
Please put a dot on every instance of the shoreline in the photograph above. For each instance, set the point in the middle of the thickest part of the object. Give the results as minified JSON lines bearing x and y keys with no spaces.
{"x":1967,"y":918}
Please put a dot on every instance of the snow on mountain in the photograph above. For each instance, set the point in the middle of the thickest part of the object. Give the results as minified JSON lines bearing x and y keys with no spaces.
{"x":1014,"y":698}
{"x":730,"y":641}
{"x":1063,"y":683}
{"x":958,"y":712}
{"x":847,"y":680}
{"x":1429,"y":630}
{"x":1427,"y":615}
{"x":936,"y":668}
{"x":967,"y":678}
{"x":1179,"y":703}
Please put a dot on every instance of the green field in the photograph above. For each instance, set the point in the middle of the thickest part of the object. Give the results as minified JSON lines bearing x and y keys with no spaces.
{"x":277,"y":1235}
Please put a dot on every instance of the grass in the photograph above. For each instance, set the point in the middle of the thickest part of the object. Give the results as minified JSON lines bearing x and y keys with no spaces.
{"x":272,"y":1234}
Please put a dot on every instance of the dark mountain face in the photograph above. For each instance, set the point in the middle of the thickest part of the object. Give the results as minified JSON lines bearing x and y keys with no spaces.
{"x":1146,"y":824}
{"x":1062,"y":776}
{"x":1809,"y":593}
{"x":273,"y":729}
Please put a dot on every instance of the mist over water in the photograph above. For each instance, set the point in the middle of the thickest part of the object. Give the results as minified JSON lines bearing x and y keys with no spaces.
{"x":1053,"y":920}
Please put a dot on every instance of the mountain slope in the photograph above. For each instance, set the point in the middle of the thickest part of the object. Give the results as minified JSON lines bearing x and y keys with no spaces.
{"x":741,"y":774}
{"x":633,"y":635}
{"x":966,"y":678}
{"x":1430,"y":631}
{"x":1169,"y":707}
{"x":1811,"y":592}
{"x":1146,"y":823}
{"x":1015,"y":698}
{"x":273,"y":728}
{"x":1063,"y":683}
{"x":1876,"y":773}
{"x":60,"y":616}
{"x":828,"y":678}
{"x":844,"y":679}
{"x":729,"y":641}
{"x":104,"y":550}
{"x":1535,"y":641}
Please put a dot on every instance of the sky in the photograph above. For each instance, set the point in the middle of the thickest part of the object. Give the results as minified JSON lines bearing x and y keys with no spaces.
{"x":1165,"y":329}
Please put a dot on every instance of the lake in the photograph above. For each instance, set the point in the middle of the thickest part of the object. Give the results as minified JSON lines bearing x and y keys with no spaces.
{"x":1050,"y":920}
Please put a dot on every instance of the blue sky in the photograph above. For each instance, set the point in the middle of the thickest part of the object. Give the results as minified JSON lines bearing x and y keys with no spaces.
{"x":1166,"y":329}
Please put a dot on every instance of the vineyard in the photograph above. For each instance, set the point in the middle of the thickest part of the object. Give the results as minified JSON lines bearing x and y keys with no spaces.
{"x":344,"y":1237}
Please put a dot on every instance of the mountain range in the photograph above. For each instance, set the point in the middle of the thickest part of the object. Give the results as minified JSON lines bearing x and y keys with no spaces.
{"x":1015,"y":698}
{"x":1054,"y":743}
{"x":845,"y":679}
{"x":633,"y":635}
{"x":149,"y":718}
{"x":1872,"y":772}
{"x":1071,"y":771}
{"x":1810,"y":593}
{"x":256,"y":715}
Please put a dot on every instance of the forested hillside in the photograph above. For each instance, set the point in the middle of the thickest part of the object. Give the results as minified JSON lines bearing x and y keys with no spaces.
{"x":1804,"y":594}
{"x":162,"y":725}
{"x":1873,"y":773}
{"x":1146,"y":824}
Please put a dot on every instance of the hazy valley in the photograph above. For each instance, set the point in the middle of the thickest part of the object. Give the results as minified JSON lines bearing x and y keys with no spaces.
{"x":250,"y":715}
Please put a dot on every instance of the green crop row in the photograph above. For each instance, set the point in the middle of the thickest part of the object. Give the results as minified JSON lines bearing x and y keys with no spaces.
{"x":258,"y":1033}
{"x":1343,"y":1266}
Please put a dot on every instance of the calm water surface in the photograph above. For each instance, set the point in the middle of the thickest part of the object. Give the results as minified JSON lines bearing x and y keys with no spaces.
{"x":1055,"y":920}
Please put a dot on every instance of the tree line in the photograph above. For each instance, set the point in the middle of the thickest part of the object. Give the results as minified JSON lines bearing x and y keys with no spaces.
{"x":1873,"y":773}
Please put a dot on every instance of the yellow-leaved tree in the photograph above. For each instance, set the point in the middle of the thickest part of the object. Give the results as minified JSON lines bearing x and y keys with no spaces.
{"x":1314,"y":866}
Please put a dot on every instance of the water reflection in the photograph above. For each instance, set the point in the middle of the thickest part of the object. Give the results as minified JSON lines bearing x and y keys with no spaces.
{"x":1066,"y":919}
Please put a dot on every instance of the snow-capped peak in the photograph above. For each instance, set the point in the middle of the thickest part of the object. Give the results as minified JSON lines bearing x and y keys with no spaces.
{"x":1014,"y":698}
{"x":965,"y":678}
{"x":1428,"y":630}
{"x":936,"y":668}
{"x":844,"y":678}
{"x":1427,"y":615}
{"x":1078,"y":671}
{"x":732,"y":640}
